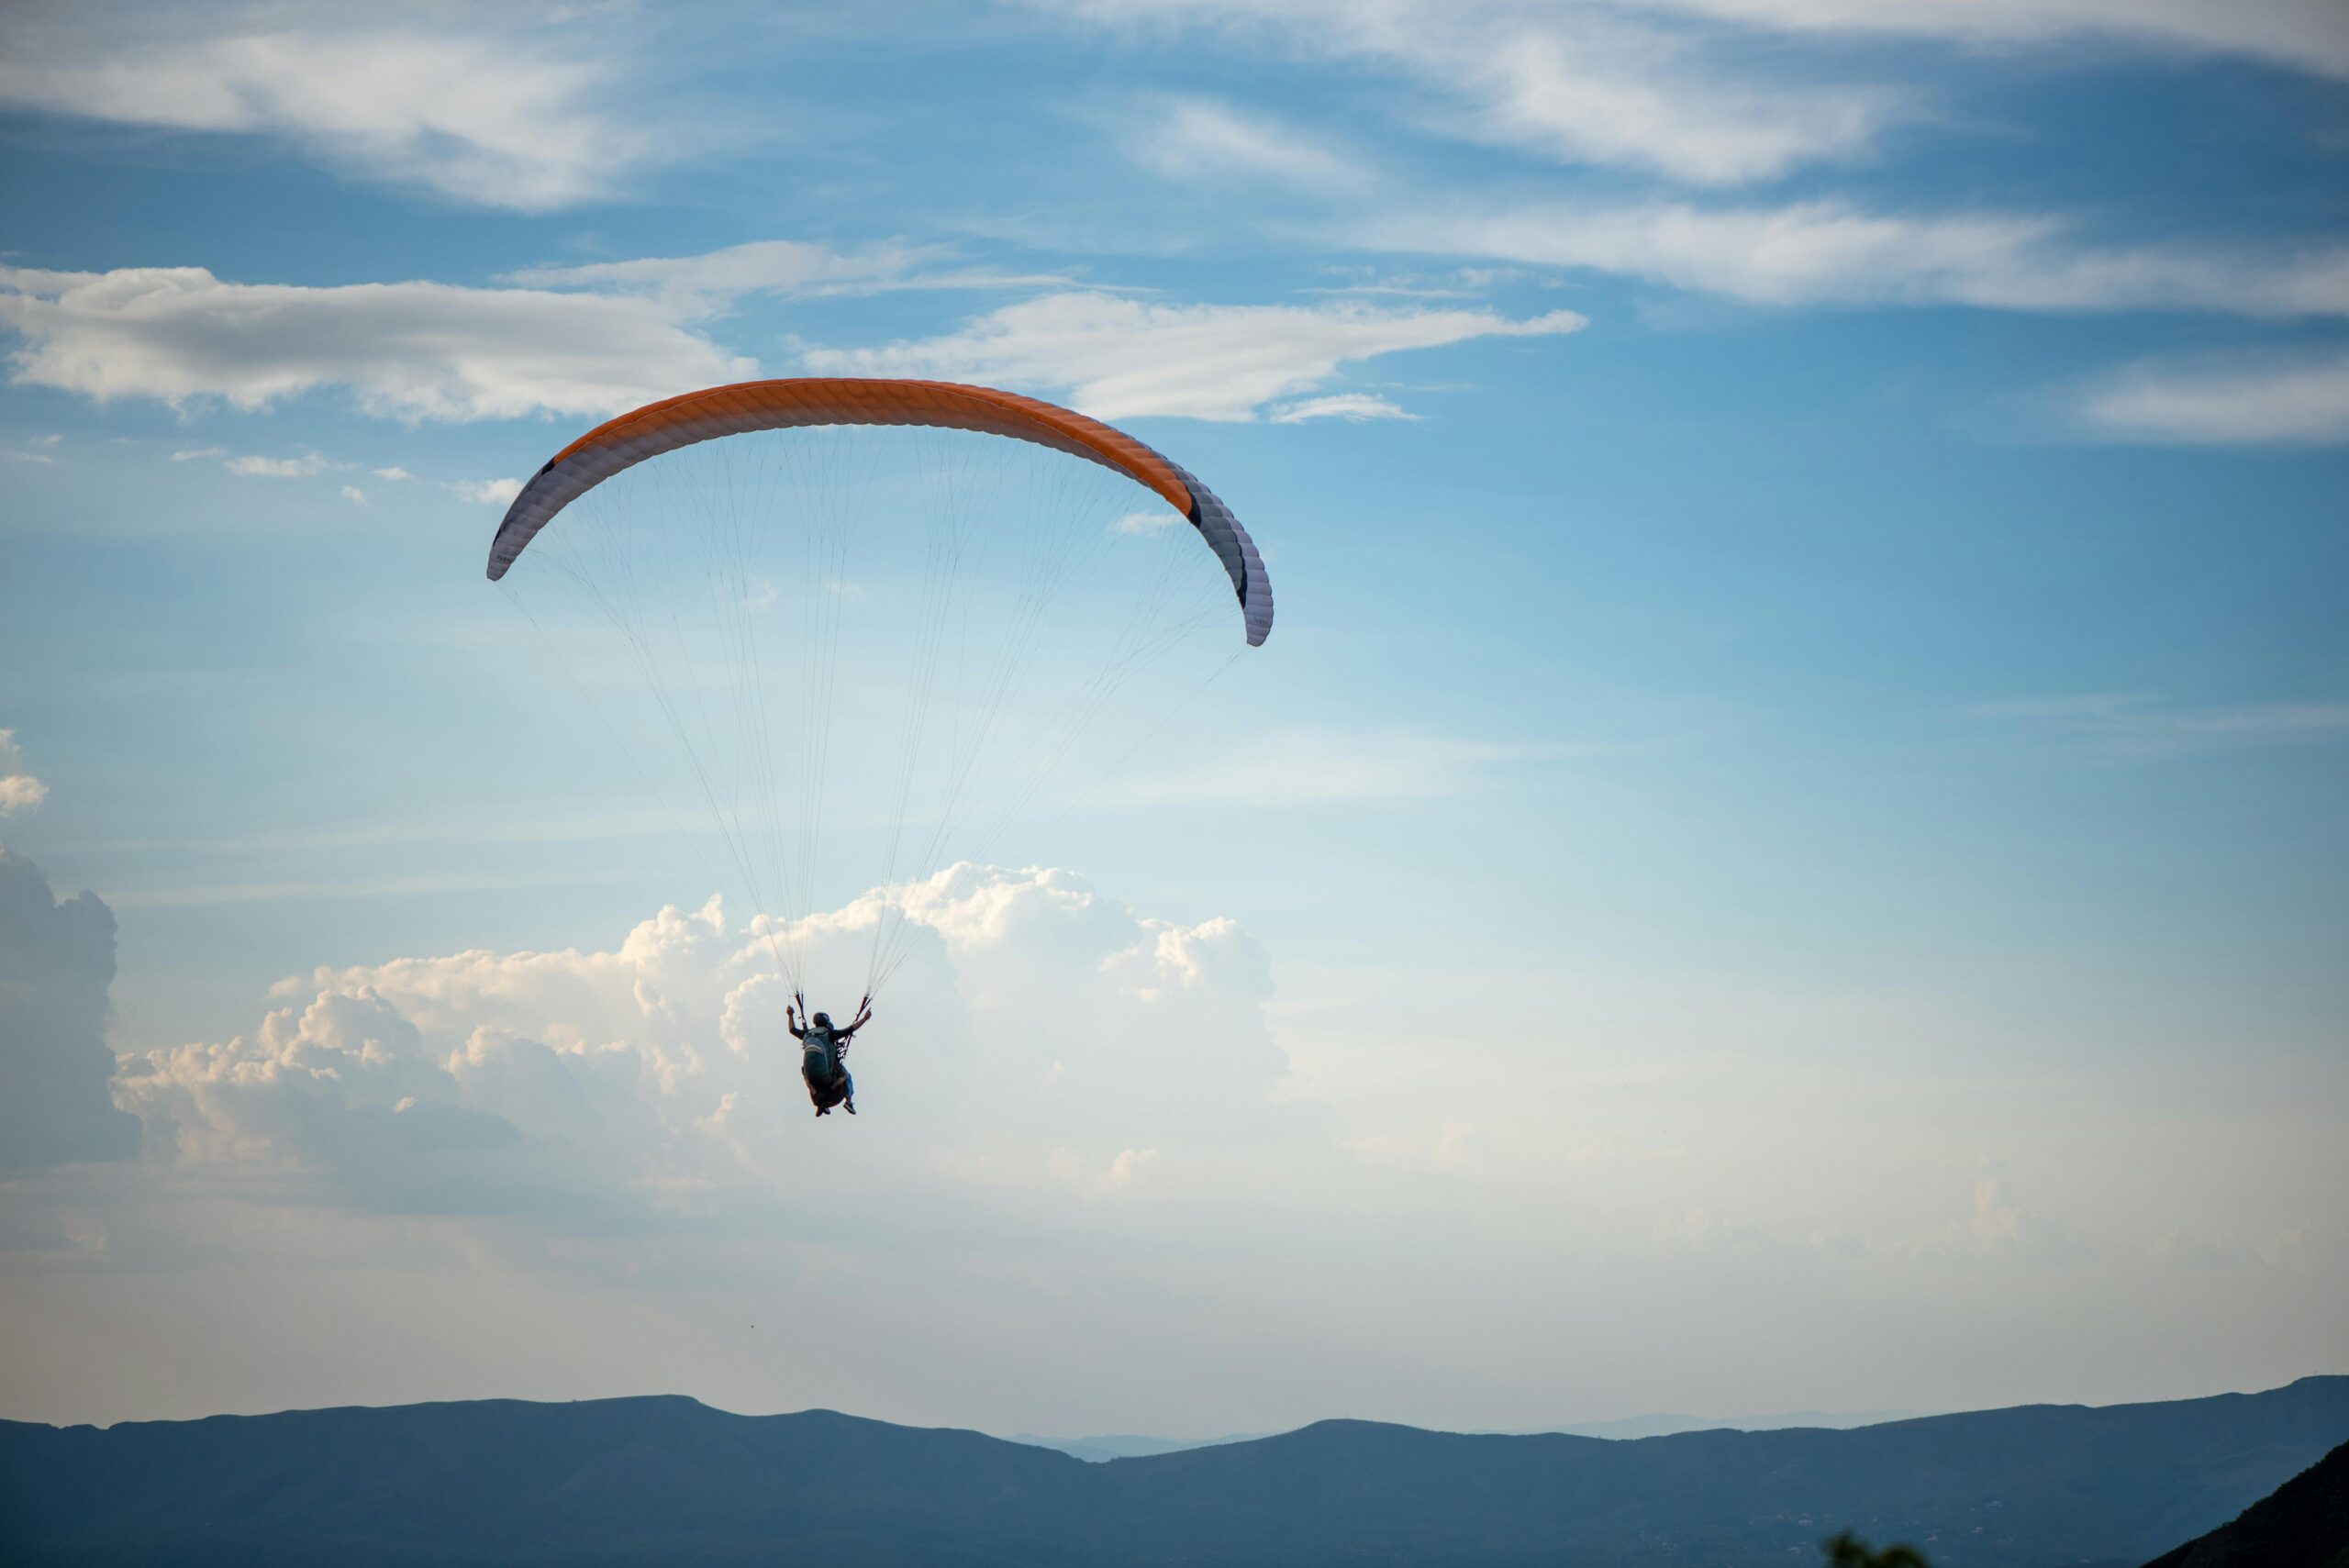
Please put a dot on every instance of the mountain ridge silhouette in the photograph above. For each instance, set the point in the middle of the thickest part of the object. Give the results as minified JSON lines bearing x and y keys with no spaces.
{"x":666,"y":1478}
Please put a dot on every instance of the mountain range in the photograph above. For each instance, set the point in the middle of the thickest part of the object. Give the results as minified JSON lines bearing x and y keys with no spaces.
{"x":667,"y":1479}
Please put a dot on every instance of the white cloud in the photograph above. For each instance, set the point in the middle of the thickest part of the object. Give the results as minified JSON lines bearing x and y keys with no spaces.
{"x":407,"y":350}
{"x":1350,"y":406}
{"x":701,"y":284}
{"x":2302,"y":34}
{"x":1465,"y":43}
{"x":40,"y":449}
{"x":1601,"y":93}
{"x":1119,"y":358}
{"x":1144,"y":523}
{"x":352,"y":494}
{"x":194,"y":454}
{"x":488,"y":491}
{"x":392,"y":474}
{"x":1828,"y":252}
{"x":1306,"y":767}
{"x":657,"y":1074}
{"x":20,"y":791}
{"x":1444,"y":1151}
{"x":503,"y":122}
{"x":2303,"y":401}
{"x":1661,"y":87}
{"x":1121,"y":1172}
{"x":2134,"y":723}
{"x":1201,"y":138}
{"x":300,"y":467}
{"x":2001,"y":1228}
{"x":589,"y":339}
{"x":1575,"y":82}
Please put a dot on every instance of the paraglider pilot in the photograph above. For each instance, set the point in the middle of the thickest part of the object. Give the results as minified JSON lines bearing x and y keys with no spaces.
{"x":823,"y":1054}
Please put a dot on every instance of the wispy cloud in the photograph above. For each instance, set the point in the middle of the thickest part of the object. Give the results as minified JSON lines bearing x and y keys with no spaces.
{"x":498,"y":122}
{"x":1351,"y":405}
{"x":1647,"y":84}
{"x":2301,"y":400}
{"x":696,"y":285}
{"x":40,"y":449}
{"x":2143,"y":723}
{"x":1571,"y":82}
{"x":1306,"y":767}
{"x":1146,"y":523}
{"x":206,"y":894}
{"x":1189,"y":138}
{"x":1598,"y":92}
{"x":2301,"y":35}
{"x":301,"y":467}
{"x":1828,"y":252}
{"x":1118,"y":358}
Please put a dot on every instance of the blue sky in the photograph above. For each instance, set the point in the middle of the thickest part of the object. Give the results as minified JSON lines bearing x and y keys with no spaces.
{"x":1810,"y":553}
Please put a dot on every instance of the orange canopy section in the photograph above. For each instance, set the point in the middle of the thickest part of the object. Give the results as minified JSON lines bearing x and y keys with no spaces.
{"x":801,"y":400}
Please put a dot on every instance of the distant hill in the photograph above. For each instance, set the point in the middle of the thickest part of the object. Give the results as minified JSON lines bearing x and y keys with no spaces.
{"x":668,"y":1480}
{"x":2302,"y":1524}
{"x":1123,"y":1445}
{"x":1665,"y":1426}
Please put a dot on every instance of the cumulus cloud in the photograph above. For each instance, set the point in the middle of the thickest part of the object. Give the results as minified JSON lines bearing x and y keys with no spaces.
{"x":1035,"y":1017}
{"x":1828,"y":252}
{"x":488,"y":491}
{"x":1125,"y":1169}
{"x":2298,"y":401}
{"x":20,"y":791}
{"x":1999,"y":1228}
{"x":56,"y":962}
{"x":406,"y":350}
{"x":501,"y":122}
{"x":587,"y":340}
{"x":1118,"y":358}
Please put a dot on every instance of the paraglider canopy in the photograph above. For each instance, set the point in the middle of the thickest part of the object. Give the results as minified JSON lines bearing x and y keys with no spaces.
{"x":807,"y":401}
